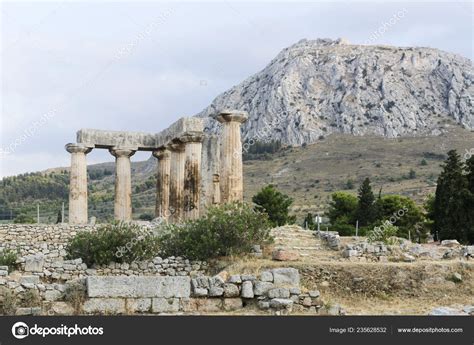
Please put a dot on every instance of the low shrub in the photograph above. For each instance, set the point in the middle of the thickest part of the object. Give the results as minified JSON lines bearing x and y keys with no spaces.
{"x":225,"y":230}
{"x":116,"y":242}
{"x":384,"y":233}
{"x":8,"y":302}
{"x":31,"y":298}
{"x":75,"y":294}
{"x":8,"y":258}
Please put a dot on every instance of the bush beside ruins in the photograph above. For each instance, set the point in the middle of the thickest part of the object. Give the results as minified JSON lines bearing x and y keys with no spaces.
{"x":226,"y":229}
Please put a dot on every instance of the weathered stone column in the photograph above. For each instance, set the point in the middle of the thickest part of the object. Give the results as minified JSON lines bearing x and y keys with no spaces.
{"x":192,"y":174}
{"x":216,"y":191}
{"x":123,"y":183}
{"x":163,"y":183}
{"x":78,"y":183}
{"x":176,"y":207}
{"x":231,"y":176}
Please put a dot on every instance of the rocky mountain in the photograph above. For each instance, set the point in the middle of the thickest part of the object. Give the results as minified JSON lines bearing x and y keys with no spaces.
{"x":318,"y":87}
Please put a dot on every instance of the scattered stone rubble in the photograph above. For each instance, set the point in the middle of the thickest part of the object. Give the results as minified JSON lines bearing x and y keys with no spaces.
{"x":331,"y":238}
{"x":405,"y":251}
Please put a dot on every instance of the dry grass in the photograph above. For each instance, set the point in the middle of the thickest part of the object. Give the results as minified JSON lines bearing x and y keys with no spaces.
{"x":366,"y":288}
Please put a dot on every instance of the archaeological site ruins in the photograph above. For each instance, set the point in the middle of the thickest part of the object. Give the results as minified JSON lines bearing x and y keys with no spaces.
{"x":195,"y":169}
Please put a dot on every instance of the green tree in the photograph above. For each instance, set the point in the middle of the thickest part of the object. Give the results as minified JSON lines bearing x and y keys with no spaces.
{"x":402,"y":212}
{"x":342,"y":208}
{"x":366,"y":212}
{"x":275,"y":204}
{"x":450,"y":207}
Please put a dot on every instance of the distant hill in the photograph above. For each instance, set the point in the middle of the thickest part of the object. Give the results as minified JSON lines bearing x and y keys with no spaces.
{"x":318,"y":87}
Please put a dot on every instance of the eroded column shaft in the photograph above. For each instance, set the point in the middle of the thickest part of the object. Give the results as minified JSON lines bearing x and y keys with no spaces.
{"x":123,"y":184}
{"x":176,"y":197}
{"x":78,"y":184}
{"x":192,"y":175}
{"x":231,"y":176}
{"x":163,"y":184}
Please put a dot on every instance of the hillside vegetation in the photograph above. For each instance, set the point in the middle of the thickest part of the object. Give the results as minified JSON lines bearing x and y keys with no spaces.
{"x":309,"y":174}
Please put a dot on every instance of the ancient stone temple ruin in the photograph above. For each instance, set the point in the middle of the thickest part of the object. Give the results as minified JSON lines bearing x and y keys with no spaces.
{"x":195,"y":169}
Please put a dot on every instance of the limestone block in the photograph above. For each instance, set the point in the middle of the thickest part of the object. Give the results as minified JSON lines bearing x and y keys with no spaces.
{"x":61,"y":308}
{"x":138,"y":286}
{"x":52,"y":295}
{"x":261,"y":288}
{"x":281,"y":303}
{"x":138,"y":305}
{"x":231,"y":290}
{"x":165,"y":305}
{"x":201,"y":304}
{"x":266,"y":276}
{"x":216,"y":291}
{"x":232,"y":304}
{"x":286,"y":277}
{"x":104,"y":306}
{"x":34,"y":263}
{"x":247,"y":289}
{"x":279,"y":293}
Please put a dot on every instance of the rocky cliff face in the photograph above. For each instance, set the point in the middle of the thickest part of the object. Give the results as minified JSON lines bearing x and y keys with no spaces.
{"x":315,"y":88}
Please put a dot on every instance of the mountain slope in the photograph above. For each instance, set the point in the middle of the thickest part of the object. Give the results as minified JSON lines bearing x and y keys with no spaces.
{"x":315,"y":88}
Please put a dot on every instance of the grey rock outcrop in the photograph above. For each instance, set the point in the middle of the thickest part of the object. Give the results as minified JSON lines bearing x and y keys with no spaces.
{"x":318,"y":87}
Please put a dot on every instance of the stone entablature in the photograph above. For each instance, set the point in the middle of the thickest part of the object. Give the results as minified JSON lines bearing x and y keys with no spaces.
{"x":194,"y":170}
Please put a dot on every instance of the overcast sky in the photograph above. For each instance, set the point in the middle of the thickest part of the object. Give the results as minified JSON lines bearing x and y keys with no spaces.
{"x":140,"y":66}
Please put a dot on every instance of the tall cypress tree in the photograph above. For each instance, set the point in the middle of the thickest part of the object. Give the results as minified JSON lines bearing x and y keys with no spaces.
{"x":366,"y":208}
{"x":450,"y":213}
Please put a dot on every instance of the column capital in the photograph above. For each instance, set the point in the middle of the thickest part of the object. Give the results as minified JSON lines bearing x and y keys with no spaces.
{"x":121,"y":152}
{"x":77,"y":148}
{"x":192,"y":137}
{"x":161,"y":153}
{"x":176,"y":145}
{"x":231,"y":116}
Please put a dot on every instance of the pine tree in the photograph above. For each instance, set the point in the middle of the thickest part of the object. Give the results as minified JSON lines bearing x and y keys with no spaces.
{"x":450,"y":209}
{"x":275,"y":204}
{"x":366,"y":208}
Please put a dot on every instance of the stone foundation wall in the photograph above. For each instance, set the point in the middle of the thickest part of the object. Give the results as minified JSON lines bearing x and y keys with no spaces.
{"x":276,"y":291}
{"x":42,"y":249}
{"x":46,"y":239}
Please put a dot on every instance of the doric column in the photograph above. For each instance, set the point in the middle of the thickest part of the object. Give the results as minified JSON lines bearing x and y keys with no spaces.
{"x":78,"y":184}
{"x":192,"y":174}
{"x":176,"y":181}
{"x":231,"y":176}
{"x":163,"y":183}
{"x":123,"y":183}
